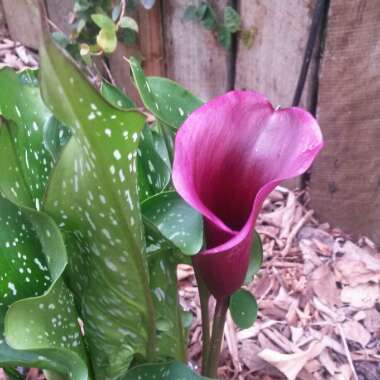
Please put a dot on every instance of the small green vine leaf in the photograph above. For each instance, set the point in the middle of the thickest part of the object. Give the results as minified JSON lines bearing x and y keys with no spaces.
{"x":231,"y":19}
{"x":129,"y":23}
{"x":243,"y":308}
{"x":107,"y":40}
{"x":103,"y":22}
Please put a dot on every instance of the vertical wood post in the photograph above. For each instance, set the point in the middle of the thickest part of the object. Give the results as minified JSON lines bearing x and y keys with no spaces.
{"x":150,"y":48}
{"x":23,"y":22}
{"x":345,"y":181}
{"x":193,"y":56}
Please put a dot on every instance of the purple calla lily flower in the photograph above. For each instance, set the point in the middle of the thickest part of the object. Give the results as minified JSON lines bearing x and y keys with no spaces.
{"x":229,"y":155}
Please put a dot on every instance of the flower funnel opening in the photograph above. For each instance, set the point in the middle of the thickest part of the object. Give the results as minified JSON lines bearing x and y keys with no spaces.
{"x":229,"y":155}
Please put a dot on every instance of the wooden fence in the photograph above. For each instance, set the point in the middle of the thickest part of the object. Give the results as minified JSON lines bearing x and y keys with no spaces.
{"x":343,"y":85}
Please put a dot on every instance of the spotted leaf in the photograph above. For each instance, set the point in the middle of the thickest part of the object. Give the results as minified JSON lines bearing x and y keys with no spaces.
{"x":115,"y":96}
{"x":25,"y":161}
{"x":153,"y":165}
{"x":168,"y":371}
{"x":172,"y":223}
{"x":164,"y":98}
{"x":37,"y":312}
{"x":93,"y":197}
{"x":171,"y":342}
{"x":153,"y":176}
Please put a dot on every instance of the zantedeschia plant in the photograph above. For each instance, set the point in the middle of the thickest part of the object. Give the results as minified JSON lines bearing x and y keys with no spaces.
{"x":93,"y":224}
{"x":229,"y":155}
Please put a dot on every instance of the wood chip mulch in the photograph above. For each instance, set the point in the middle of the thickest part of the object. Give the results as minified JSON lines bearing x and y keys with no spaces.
{"x":15,"y":55}
{"x":319,"y":302}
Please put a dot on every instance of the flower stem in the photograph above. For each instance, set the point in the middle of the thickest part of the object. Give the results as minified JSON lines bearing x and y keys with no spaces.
{"x":204,"y":296}
{"x":216,"y":337}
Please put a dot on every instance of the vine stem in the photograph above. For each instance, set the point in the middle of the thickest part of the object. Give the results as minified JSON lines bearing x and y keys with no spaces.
{"x":216,"y":337}
{"x":204,"y":297}
{"x":123,"y":4}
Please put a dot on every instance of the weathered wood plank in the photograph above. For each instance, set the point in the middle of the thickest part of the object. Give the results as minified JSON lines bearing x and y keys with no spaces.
{"x":3,"y":29}
{"x":151,"y":40}
{"x":59,"y":12}
{"x":193,"y":56}
{"x":272,"y":65}
{"x":345,"y":184}
{"x":22,"y":20}
{"x":149,"y":47}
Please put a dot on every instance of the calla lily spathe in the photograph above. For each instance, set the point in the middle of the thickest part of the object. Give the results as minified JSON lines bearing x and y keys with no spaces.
{"x":229,"y":155}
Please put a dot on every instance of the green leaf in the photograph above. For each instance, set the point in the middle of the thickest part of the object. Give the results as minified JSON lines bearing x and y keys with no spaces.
{"x":154,"y":175}
{"x":168,"y":135}
{"x":37,"y":310}
{"x":129,"y":37}
{"x":168,"y":215}
{"x":56,"y":137}
{"x":256,"y":258}
{"x":243,"y":308}
{"x":225,"y":37}
{"x":248,"y":37}
{"x":104,"y":22}
{"x":107,"y":40}
{"x":153,"y":164}
{"x":115,"y":96}
{"x":201,"y":11}
{"x":12,"y":182}
{"x":168,"y":371}
{"x":129,"y":23}
{"x":165,"y":99}
{"x":231,"y":19}
{"x":153,"y":169}
{"x":209,"y":20}
{"x":163,"y":282}
{"x":93,"y":197}
{"x":25,"y":161}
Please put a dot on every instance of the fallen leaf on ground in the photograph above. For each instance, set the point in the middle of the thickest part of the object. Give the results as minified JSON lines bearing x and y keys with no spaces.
{"x":323,"y":283}
{"x":356,"y":332}
{"x":291,"y":364}
{"x":372,"y":321}
{"x":310,"y":257}
{"x":363,"y":296}
{"x":357,"y":266}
